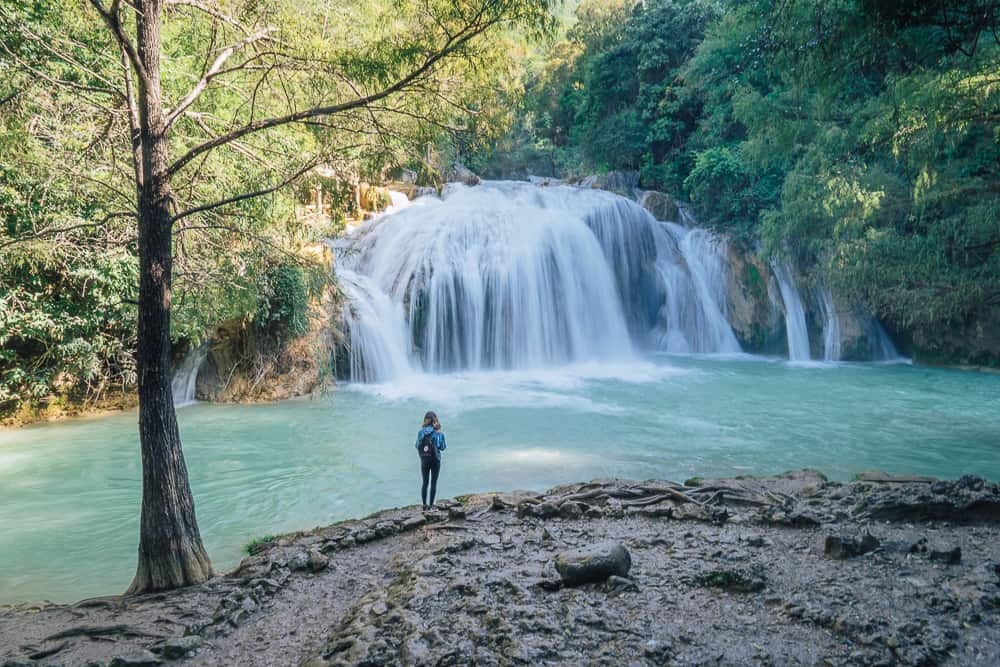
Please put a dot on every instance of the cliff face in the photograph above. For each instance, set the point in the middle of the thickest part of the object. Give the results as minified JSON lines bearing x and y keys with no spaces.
{"x":241,"y":365}
{"x":756,"y":312}
{"x":754,"y":304}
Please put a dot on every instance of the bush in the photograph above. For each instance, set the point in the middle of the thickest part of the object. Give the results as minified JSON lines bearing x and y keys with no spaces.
{"x":283,"y":302}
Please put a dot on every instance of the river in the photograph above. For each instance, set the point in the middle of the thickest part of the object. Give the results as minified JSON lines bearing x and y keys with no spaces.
{"x":70,"y":491}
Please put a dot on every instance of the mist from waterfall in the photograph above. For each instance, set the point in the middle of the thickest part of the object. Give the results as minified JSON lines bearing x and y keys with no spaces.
{"x":512,"y":276}
{"x":795,"y":317}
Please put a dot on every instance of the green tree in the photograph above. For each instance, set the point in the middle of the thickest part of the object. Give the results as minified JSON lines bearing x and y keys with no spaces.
{"x":198,"y":88}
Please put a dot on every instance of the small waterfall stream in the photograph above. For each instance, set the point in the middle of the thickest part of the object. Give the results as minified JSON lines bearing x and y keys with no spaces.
{"x":185,"y":377}
{"x":831,"y":327}
{"x":795,"y":317}
{"x":511,"y":275}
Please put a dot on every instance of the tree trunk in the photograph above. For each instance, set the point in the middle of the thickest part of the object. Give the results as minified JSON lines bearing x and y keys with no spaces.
{"x":171,"y":553}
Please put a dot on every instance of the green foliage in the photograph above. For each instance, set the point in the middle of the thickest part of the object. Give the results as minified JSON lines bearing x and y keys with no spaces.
{"x":859,"y":139}
{"x":438,"y":73}
{"x":608,"y":95}
{"x":258,"y":545}
{"x":283,"y":302}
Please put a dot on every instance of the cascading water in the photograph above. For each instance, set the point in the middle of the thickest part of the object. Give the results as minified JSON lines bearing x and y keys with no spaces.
{"x":831,"y":327}
{"x":696,"y":297}
{"x":185,"y":377}
{"x":881,"y":347}
{"x":795,"y":317}
{"x":511,"y":275}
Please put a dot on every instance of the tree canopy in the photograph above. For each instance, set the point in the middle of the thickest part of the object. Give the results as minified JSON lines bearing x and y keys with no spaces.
{"x":856,"y":137}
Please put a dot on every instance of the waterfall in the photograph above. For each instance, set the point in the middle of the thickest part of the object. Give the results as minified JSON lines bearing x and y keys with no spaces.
{"x":185,"y":377}
{"x":692,"y":264}
{"x":831,"y":327}
{"x":795,"y":318}
{"x":880,"y":345}
{"x":376,"y":330}
{"x":511,"y":275}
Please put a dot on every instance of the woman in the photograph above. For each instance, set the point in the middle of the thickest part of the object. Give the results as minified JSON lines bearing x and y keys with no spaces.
{"x":430,"y":444}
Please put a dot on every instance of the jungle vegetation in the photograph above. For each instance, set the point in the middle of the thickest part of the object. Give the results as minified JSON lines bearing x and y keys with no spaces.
{"x":857,"y":138}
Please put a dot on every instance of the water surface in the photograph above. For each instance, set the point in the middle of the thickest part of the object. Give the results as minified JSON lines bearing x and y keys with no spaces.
{"x":70,"y":492}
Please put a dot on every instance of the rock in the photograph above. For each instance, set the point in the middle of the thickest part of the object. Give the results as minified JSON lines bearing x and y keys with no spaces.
{"x":317,"y":560}
{"x":299,"y":561}
{"x":661,"y":206}
{"x":593,"y":564}
{"x":966,"y":500}
{"x":951,"y":557}
{"x":141,"y":659}
{"x":621,"y":584}
{"x":841,"y":548}
{"x":178,"y":647}
{"x":20,"y":662}
{"x":622,"y":182}
{"x":457,"y":172}
{"x":886,"y":478}
{"x":571,"y":510}
{"x":736,"y":580}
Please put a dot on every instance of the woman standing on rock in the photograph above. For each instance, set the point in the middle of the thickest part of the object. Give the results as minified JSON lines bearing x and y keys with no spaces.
{"x":430,"y":444}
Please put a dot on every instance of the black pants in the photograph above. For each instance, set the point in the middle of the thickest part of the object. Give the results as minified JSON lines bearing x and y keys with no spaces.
{"x":431,"y":468}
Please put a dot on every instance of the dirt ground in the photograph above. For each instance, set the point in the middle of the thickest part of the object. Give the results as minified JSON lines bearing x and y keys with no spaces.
{"x":791,"y":570}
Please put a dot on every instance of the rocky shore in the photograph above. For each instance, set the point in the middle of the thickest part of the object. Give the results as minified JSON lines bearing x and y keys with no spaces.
{"x":788,"y":570}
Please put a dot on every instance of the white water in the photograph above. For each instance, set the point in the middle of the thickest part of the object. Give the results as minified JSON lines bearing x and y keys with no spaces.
{"x":693,"y":315}
{"x":882,"y":348}
{"x":831,"y":327}
{"x":185,"y":377}
{"x":514,"y":276}
{"x":795,"y":318}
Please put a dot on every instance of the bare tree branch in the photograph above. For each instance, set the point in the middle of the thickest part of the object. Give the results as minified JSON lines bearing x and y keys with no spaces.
{"x":202,"y":7}
{"x":112,"y":19}
{"x":247,"y":195}
{"x":213,"y":71}
{"x":51,"y":232}
{"x":451,"y":45}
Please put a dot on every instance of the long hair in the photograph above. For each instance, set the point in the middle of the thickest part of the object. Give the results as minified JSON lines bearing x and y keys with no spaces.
{"x":431,"y":419}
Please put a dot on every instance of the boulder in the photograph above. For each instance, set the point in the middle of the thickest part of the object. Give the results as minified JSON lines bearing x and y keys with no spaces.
{"x":593,"y":564}
{"x":457,"y":172}
{"x":317,"y":560}
{"x":661,"y":206}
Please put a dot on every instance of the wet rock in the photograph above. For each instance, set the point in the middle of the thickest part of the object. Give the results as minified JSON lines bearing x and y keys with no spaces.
{"x":317,"y":560}
{"x":593,"y":564}
{"x":178,"y":647}
{"x":968,"y":499}
{"x":414,"y":522}
{"x":457,"y":172}
{"x":621,"y":584}
{"x":841,"y":547}
{"x":298,"y":561}
{"x":571,"y":510}
{"x":140,"y":659}
{"x":735,"y":580}
{"x":949,"y":557}
{"x":662,"y":206}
